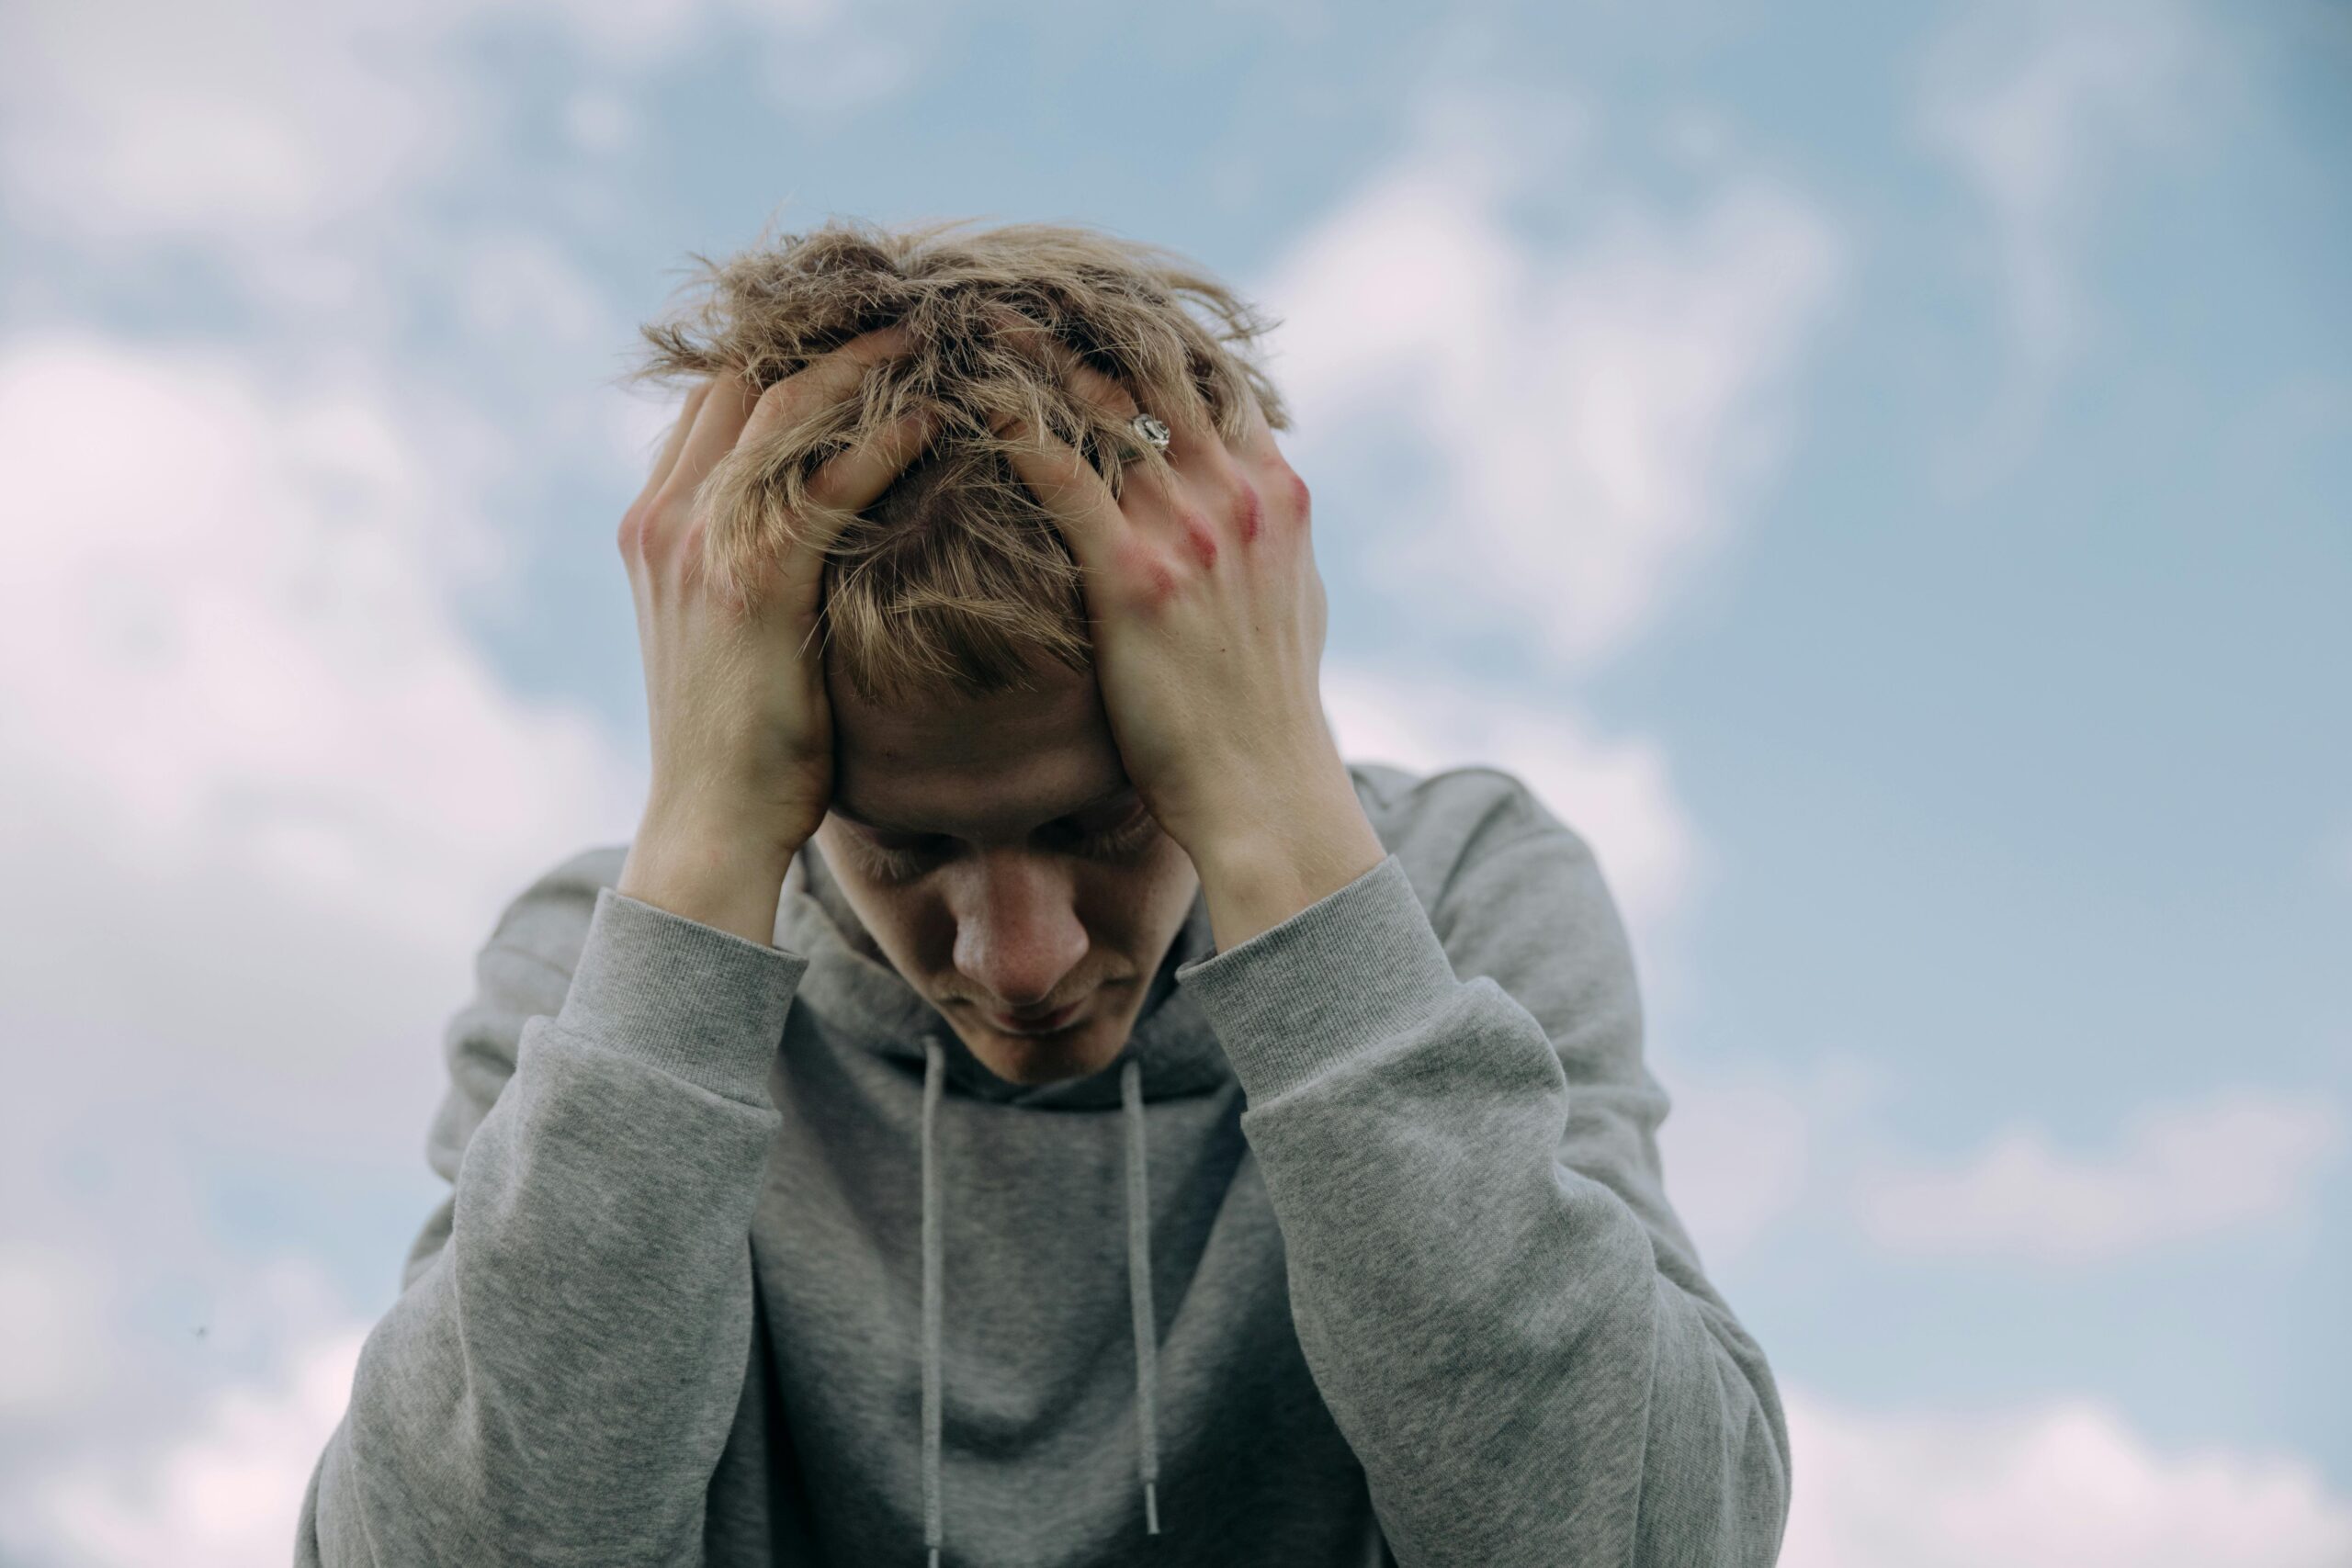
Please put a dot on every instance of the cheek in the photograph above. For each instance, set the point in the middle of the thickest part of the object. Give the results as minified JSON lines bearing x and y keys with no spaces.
{"x":1133,"y":909}
{"x":1165,"y":891}
{"x":892,"y":912}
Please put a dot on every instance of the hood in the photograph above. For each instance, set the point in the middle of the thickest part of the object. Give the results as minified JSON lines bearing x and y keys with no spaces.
{"x":1170,"y":1050}
{"x":855,"y":992}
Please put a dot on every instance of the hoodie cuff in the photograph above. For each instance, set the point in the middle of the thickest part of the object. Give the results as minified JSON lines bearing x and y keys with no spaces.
{"x":1357,"y":968}
{"x":697,"y":1002}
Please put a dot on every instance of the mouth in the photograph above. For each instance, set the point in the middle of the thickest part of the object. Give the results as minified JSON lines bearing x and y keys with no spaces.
{"x":1053,"y":1022}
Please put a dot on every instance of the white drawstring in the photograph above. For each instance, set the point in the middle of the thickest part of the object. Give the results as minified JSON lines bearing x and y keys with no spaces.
{"x":934,"y":1073}
{"x":1139,"y":1292}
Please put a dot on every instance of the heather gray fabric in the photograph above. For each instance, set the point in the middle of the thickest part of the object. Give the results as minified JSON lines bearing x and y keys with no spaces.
{"x":1359,"y":1251}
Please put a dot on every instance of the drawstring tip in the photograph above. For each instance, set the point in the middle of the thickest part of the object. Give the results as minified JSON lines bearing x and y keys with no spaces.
{"x":935,"y":1557}
{"x":1151,"y":1509}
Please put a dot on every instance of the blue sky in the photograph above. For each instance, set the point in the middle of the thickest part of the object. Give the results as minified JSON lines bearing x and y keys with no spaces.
{"x":1878,"y":471}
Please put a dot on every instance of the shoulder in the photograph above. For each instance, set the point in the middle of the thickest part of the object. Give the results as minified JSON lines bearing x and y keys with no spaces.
{"x":548,"y":920}
{"x":1443,"y":823}
{"x":1515,"y":895}
{"x":1507,"y":882}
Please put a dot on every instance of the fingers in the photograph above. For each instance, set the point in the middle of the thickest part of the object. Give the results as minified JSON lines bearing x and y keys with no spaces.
{"x":1097,"y":388}
{"x":1066,"y":485}
{"x":826,"y":380}
{"x":1258,"y":438}
{"x":856,"y":479}
{"x":1194,"y":433}
{"x":1084,"y":379}
{"x":724,"y":410}
{"x":674,"y":440}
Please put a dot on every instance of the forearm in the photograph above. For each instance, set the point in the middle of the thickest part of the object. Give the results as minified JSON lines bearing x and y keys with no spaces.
{"x":1493,"y":1333}
{"x":564,"y":1373}
{"x":1501,"y":1338}
{"x":730,"y":881}
{"x":1255,"y":879}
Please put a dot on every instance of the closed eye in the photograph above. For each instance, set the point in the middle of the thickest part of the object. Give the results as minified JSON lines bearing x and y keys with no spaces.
{"x":912,"y":857}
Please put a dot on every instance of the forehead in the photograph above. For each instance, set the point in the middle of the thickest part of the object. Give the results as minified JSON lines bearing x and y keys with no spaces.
{"x":974,"y":767}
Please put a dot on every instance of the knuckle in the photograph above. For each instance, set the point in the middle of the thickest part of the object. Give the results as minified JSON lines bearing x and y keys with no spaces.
{"x":1248,"y":508}
{"x":641,"y":530}
{"x":658,"y":530}
{"x":1199,"y":535}
{"x":780,"y":405}
{"x":1150,"y":581}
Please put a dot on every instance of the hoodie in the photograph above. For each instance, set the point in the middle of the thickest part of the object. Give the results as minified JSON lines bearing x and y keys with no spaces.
{"x":1358,"y":1253}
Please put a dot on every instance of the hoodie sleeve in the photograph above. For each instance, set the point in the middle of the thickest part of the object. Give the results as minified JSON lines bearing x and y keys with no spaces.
{"x":1508,"y":1322}
{"x":558,"y":1375}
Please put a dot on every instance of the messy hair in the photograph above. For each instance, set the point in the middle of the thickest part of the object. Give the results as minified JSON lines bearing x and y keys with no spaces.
{"x":956,"y":576}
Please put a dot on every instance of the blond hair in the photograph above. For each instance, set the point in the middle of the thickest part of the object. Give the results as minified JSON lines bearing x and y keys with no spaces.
{"x":956,"y":577}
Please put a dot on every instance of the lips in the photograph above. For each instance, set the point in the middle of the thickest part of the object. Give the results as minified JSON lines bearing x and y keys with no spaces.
{"x":1045,"y":1023}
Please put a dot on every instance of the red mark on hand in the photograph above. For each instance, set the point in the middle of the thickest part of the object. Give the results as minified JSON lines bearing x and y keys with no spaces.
{"x":1202,"y":539}
{"x":1140,"y":564}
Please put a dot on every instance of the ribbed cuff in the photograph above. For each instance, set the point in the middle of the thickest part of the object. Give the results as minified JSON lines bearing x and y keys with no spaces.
{"x":1360,"y":966}
{"x":691,"y":999}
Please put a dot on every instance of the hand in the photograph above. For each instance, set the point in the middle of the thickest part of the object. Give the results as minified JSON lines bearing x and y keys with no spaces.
{"x":1209,"y":622}
{"x":742,"y":731}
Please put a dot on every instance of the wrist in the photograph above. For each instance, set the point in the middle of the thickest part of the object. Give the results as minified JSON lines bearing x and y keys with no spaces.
{"x":727,"y":882}
{"x":1314,"y":815}
{"x":1259,"y":875}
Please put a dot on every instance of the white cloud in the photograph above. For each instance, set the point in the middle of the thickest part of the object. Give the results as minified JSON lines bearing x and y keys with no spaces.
{"x":130,"y":121}
{"x":860,"y":66}
{"x":2063,"y":1484}
{"x":228,"y":640}
{"x":260,"y":798}
{"x":51,"y":1346}
{"x":228,"y":1492}
{"x":216,"y":1482}
{"x":1741,"y":1143}
{"x":600,"y":122}
{"x":519,"y":285}
{"x":1746,"y":1141}
{"x":2041,"y":109}
{"x":1615,"y":793}
{"x":1737,"y":1156}
{"x":1595,"y":416}
{"x":293,"y":141}
{"x":2182,"y":1171}
{"x":319,"y":163}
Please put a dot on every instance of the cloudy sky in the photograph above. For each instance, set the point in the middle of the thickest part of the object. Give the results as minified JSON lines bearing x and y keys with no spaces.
{"x":1879,"y":472}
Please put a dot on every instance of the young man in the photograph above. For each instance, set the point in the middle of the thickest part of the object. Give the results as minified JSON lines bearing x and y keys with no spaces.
{"x":1020,"y":1094}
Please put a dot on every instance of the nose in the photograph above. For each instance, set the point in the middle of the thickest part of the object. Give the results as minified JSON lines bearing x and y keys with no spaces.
{"x":1018,"y":935}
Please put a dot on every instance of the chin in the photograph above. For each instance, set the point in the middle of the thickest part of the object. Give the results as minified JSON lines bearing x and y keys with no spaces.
{"x":1043,"y":1059}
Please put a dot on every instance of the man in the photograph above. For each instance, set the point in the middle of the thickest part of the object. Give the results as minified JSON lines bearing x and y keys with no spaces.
{"x":1021,"y":1091}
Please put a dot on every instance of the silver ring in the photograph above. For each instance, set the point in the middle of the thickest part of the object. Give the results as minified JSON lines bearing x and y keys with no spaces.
{"x":1149,"y":431}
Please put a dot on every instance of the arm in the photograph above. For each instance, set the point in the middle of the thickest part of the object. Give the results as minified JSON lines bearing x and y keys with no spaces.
{"x":1507,"y":1320}
{"x":560,"y":1374}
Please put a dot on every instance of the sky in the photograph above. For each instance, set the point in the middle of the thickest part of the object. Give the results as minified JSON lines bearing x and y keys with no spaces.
{"x":1877,"y":472}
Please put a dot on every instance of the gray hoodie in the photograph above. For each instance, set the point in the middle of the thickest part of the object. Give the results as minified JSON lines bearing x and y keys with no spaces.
{"x":1358,"y":1253}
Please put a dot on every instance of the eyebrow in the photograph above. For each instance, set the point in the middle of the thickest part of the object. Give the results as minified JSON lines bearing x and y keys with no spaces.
{"x":837,"y":809}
